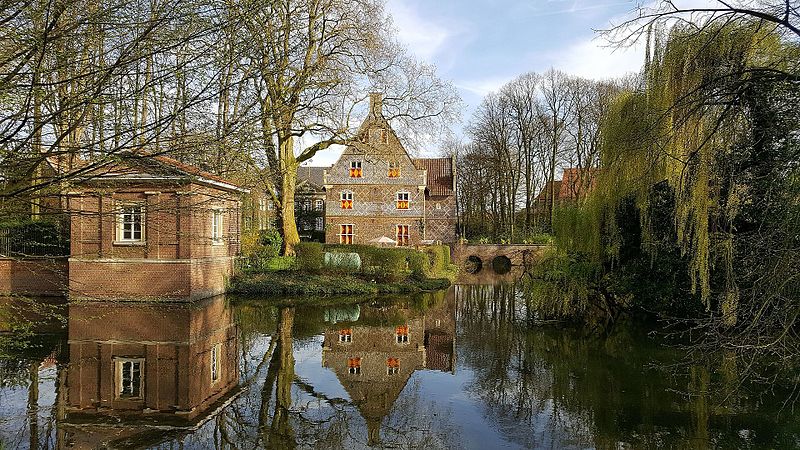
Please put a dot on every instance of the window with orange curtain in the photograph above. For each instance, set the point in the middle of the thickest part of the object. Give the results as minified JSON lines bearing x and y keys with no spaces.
{"x":355,"y":169}
{"x":392,"y":366}
{"x":394,"y":169}
{"x":401,"y":334}
{"x":354,"y":366}
{"x":346,"y":234}
{"x":346,"y":335}
{"x":403,"y":200}
{"x":402,"y":235}
{"x":346,"y":199}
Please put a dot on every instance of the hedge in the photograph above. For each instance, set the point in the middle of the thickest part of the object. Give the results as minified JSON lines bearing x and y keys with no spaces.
{"x":309,"y":256}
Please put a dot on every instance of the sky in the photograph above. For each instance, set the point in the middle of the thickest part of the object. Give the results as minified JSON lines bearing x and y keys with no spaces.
{"x":479,"y":45}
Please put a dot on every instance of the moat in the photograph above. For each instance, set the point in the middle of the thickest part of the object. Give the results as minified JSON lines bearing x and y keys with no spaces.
{"x":461,"y":368}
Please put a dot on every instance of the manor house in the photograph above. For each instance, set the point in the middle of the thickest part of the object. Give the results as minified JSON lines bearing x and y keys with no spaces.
{"x":376,"y":190}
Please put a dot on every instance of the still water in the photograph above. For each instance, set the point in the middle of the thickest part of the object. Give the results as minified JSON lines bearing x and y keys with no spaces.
{"x":462,"y":368}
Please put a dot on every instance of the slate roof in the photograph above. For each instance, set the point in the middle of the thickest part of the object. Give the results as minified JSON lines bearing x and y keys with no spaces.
{"x":440,"y":175}
{"x":311,"y":175}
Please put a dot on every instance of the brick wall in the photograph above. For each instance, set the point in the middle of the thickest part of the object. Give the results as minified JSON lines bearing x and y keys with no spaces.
{"x":131,"y":279}
{"x":176,"y":260}
{"x":33,"y":276}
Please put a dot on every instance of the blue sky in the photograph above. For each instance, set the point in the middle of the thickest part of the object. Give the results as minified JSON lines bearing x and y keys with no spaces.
{"x":479,"y":45}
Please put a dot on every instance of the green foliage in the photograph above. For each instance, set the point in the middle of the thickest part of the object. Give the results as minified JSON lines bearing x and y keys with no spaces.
{"x":303,"y":284}
{"x":271,"y":238}
{"x":310,"y":256}
{"x":561,"y":284}
{"x":280,"y":263}
{"x":694,"y":129}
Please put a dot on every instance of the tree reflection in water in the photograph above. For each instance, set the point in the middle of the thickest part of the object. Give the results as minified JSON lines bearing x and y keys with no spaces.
{"x":458,"y":369}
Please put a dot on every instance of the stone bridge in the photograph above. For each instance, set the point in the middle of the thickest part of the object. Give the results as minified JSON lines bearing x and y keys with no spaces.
{"x":496,"y":258}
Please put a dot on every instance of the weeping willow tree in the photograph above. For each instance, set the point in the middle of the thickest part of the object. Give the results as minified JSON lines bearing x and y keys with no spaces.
{"x":701,"y":123}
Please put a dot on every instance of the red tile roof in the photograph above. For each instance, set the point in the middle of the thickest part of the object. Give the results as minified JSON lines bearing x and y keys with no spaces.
{"x":440,"y":175}
{"x":577,"y":183}
{"x":544,"y":194}
{"x":574,"y":183}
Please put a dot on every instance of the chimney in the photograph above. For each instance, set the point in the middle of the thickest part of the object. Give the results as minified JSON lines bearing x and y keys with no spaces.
{"x":376,"y":104}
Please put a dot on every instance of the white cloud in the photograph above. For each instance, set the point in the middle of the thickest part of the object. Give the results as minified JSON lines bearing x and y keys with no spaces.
{"x":425,"y":37}
{"x":592,"y":58}
{"x":481,"y":87}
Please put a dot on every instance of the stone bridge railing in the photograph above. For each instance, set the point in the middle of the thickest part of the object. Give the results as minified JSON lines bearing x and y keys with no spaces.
{"x":496,"y":258}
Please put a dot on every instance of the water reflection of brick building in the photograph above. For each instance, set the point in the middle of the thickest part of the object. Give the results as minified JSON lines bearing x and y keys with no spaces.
{"x":154,"y":365}
{"x":374,"y":362}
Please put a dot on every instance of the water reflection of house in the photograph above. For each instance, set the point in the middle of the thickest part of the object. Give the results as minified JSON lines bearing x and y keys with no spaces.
{"x":374,"y":362}
{"x":164,"y":365}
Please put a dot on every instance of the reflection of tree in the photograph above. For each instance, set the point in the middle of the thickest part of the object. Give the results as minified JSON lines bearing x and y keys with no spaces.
{"x":549,"y":387}
{"x":277,"y":430}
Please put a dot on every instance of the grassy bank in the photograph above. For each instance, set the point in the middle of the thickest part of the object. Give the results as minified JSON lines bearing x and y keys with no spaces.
{"x":337,"y":270}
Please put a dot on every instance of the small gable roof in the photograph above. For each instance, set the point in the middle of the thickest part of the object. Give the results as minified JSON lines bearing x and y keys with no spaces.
{"x":440,"y":175}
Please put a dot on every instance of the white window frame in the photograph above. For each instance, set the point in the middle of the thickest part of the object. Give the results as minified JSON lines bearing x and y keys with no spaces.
{"x":319,"y":223}
{"x":118,"y":372}
{"x":346,"y":196}
{"x":356,"y":370}
{"x":318,"y":205}
{"x":392,"y":370}
{"x":352,"y":233}
{"x":121,"y":213}
{"x":401,"y":338}
{"x":346,"y":338}
{"x":217,"y":226}
{"x":400,"y":197}
{"x":356,"y":164}
{"x":214,"y":363}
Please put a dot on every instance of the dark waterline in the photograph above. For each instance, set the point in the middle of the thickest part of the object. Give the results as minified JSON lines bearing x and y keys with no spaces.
{"x":461,"y":368}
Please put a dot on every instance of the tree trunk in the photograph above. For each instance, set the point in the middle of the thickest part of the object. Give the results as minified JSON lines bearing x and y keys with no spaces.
{"x":288,"y":184}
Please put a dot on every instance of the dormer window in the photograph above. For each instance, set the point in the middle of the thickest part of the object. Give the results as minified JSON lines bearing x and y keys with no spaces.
{"x":394,"y":169}
{"x":378,"y":136}
{"x":346,"y":200}
{"x":403,"y":200}
{"x":355,"y":169}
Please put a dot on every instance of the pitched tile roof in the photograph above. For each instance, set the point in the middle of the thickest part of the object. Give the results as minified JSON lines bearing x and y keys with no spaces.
{"x":440,"y":175}
{"x":544,"y":194}
{"x":577,"y":183}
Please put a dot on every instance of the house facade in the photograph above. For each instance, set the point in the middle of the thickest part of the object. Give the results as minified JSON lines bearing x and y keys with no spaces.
{"x":309,"y":203}
{"x":152,"y":227}
{"x":376,"y":189}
